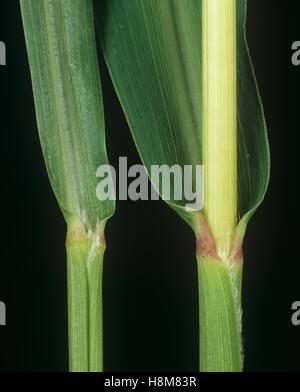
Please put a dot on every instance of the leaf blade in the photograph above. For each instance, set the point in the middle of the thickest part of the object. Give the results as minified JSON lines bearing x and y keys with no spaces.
{"x":253,"y":151}
{"x":164,"y":133}
{"x":151,"y":89}
{"x":67,"y":92}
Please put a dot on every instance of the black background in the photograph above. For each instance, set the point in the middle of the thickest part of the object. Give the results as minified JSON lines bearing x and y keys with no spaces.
{"x":150,"y":280}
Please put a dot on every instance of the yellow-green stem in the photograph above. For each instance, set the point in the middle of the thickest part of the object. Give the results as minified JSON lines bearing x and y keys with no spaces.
{"x":218,"y":249}
{"x":219,"y":120}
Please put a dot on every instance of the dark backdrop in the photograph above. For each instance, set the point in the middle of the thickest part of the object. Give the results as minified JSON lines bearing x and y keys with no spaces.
{"x":150,"y":284}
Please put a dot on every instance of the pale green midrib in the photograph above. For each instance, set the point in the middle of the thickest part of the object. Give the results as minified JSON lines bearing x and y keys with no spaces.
{"x":219,"y":120}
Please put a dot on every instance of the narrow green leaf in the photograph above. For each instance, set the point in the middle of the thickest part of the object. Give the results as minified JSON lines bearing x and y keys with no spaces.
{"x":67,"y":93}
{"x":62,"y":54}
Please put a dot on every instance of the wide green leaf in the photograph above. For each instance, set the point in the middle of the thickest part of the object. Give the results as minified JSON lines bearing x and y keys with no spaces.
{"x":154,"y":54}
{"x":178,"y":87}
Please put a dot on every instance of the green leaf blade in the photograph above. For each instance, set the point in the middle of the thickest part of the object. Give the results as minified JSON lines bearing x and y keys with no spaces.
{"x":153,"y":50}
{"x":154,"y":55}
{"x":253,"y":146}
{"x":67,"y":92}
{"x":146,"y":50}
{"x":63,"y":62}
